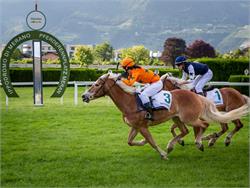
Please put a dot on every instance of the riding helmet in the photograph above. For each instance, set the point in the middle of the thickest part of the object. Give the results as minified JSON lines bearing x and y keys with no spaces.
{"x":180,"y":59}
{"x":127,"y":62}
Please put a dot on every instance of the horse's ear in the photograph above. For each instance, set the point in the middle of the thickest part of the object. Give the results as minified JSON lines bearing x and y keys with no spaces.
{"x":110,"y":72}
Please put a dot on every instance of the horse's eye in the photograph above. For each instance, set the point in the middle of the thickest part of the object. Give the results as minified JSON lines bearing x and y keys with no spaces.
{"x":96,"y":85}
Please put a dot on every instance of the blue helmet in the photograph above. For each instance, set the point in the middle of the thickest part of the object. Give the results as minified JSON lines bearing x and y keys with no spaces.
{"x":180,"y":59}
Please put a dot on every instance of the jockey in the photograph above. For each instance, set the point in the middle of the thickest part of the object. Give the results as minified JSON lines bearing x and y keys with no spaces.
{"x":141,"y":75}
{"x":198,"y":73}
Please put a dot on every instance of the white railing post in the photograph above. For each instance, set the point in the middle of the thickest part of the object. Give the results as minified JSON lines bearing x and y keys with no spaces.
{"x":75,"y":93}
{"x":61,"y":100}
{"x":7,"y":101}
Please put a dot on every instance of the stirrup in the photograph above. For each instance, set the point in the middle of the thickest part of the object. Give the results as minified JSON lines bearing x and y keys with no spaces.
{"x":201,"y":93}
{"x":149,"y":116}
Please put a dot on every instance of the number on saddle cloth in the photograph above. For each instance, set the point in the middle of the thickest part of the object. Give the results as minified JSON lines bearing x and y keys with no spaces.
{"x":161,"y":100}
{"x":215,"y":96}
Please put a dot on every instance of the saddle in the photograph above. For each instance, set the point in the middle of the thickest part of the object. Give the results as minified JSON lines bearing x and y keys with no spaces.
{"x":214,"y":95}
{"x":208,"y":88}
{"x":160,"y":101}
{"x":205,"y":90}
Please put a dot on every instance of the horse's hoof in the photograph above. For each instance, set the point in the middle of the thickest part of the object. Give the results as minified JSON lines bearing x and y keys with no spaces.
{"x":211,"y":142}
{"x":164,"y":157}
{"x":227,"y":142}
{"x":181,"y":142}
{"x":169,"y":149}
{"x":200,"y":146}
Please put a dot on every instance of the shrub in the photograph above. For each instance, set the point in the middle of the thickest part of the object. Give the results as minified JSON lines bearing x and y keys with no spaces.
{"x":223,"y":68}
{"x":240,"y":78}
{"x":80,"y":74}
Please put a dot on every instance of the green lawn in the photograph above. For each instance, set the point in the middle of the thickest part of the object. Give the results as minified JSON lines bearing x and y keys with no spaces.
{"x":86,"y":146}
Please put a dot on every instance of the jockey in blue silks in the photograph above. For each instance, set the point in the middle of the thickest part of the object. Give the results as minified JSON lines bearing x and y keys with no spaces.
{"x":198,"y":73}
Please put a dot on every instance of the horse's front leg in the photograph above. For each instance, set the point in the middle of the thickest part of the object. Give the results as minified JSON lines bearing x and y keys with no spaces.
{"x":146,"y":134}
{"x":132,"y":134}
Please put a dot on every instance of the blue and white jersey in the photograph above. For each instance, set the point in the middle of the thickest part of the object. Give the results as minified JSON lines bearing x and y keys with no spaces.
{"x":192,"y":69}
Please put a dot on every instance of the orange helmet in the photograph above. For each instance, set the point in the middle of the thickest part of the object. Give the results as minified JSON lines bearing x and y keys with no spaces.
{"x":127,"y":62}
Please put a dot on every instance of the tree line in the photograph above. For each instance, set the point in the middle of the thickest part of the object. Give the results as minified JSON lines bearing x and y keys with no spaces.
{"x":104,"y":53}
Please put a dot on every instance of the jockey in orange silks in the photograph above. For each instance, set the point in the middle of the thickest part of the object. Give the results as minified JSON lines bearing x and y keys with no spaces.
{"x":139,"y":74}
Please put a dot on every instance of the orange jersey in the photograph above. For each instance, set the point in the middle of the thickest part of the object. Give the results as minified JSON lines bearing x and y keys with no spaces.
{"x":141,"y":75}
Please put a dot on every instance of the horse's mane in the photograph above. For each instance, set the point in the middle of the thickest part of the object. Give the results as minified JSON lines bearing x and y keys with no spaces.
{"x":121,"y":84}
{"x":176,"y":81}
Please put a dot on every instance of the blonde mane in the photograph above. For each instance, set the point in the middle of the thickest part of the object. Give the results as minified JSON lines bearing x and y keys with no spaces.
{"x":176,"y":81}
{"x":121,"y":84}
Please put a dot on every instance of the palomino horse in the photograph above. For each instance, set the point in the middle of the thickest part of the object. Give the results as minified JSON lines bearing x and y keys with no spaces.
{"x":232,"y":99}
{"x":186,"y":108}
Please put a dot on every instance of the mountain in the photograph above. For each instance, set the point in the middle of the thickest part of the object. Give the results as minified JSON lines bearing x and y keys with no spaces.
{"x":131,"y":22}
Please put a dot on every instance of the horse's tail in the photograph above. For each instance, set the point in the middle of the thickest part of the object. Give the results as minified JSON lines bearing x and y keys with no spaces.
{"x":247,"y":99}
{"x":211,"y":113}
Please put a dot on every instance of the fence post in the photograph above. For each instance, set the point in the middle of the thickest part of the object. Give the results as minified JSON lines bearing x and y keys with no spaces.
{"x":61,"y":100}
{"x":7,"y":101}
{"x":75,"y":93}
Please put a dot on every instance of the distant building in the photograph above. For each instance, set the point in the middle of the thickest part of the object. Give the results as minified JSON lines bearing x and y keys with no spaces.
{"x":50,"y":56}
{"x":153,"y":54}
{"x":27,"y":49}
{"x":70,"y":48}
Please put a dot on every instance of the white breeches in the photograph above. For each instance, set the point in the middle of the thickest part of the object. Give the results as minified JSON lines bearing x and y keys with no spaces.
{"x":200,"y":81}
{"x":151,"y":90}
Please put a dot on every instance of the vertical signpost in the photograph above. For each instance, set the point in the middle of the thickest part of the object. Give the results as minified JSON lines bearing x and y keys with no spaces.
{"x":36,"y":20}
{"x":37,"y":73}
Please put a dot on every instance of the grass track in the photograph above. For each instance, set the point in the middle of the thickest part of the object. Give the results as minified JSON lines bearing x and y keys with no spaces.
{"x":86,"y":146}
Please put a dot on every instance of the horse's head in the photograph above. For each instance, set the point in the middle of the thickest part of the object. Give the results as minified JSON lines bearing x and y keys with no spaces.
{"x":169,"y":82}
{"x":96,"y":90}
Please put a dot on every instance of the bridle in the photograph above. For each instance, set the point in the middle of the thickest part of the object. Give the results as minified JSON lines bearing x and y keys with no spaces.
{"x":174,"y":83}
{"x":103,"y":82}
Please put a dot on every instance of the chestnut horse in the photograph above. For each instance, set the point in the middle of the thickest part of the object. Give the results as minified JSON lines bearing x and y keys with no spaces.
{"x":186,"y":108}
{"x":232,"y":99}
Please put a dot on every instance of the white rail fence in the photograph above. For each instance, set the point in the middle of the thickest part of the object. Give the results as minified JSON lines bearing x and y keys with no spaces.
{"x":89,"y":83}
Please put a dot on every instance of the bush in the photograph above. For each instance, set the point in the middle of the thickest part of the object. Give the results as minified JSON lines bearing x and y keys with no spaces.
{"x":240,"y":78}
{"x":22,"y":61}
{"x":223,"y":68}
{"x":80,"y":74}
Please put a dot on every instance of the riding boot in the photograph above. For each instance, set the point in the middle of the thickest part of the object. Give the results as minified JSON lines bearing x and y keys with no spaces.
{"x":149,"y":114}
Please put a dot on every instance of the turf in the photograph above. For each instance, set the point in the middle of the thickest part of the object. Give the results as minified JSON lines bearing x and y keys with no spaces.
{"x":86,"y":146}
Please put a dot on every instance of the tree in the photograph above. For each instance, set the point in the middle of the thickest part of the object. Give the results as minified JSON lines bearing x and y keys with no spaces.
{"x":83,"y":54}
{"x":16,"y":55}
{"x":139,"y":53}
{"x":173,"y":47}
{"x":103,"y":52}
{"x":199,"y":48}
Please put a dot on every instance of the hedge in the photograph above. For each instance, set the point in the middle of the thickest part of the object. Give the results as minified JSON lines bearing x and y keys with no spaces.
{"x":223,"y":68}
{"x":240,"y":78}
{"x":83,"y":74}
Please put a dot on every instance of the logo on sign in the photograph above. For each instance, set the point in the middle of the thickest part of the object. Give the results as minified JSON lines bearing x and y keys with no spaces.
{"x":36,"y":20}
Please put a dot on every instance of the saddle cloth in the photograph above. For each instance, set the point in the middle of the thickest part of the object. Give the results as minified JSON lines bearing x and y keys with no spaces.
{"x":215,"y":96}
{"x":161,"y":100}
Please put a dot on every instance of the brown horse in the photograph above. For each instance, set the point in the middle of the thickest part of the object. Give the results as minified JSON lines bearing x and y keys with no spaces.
{"x":186,"y":108}
{"x":232,"y":99}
